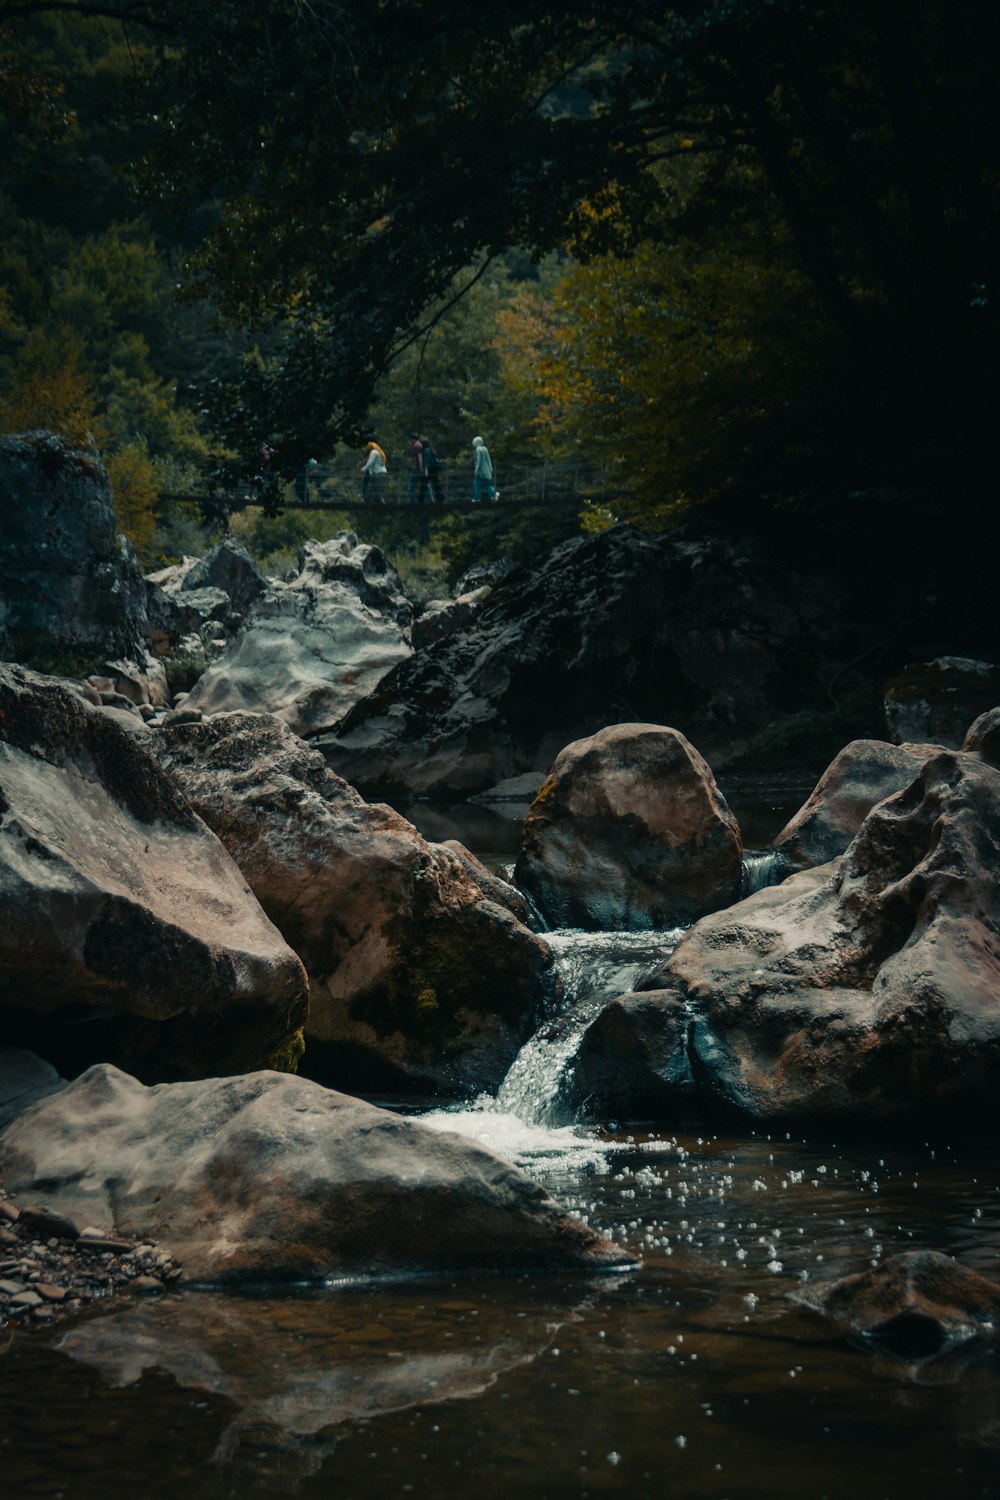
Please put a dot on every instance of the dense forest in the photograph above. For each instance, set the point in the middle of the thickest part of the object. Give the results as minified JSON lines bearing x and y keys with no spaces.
{"x":717,"y":249}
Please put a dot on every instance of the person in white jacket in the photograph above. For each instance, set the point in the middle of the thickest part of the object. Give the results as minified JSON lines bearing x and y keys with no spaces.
{"x":374,"y":475}
{"x":482,"y":473}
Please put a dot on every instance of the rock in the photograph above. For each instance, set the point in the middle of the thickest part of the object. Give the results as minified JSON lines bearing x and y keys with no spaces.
{"x":865,"y":772}
{"x":180,"y":716}
{"x":608,"y":628}
{"x":316,"y":645}
{"x":228,"y":567}
{"x":272,"y":1177}
{"x":119,"y":701}
{"x":24,"y":1301}
{"x":70,"y":586}
{"x":121,"y":906}
{"x":482,"y":576}
{"x":983,"y":737}
{"x":633,"y":1062}
{"x":24,"y":1078}
{"x":935,"y":701}
{"x":419,"y":975}
{"x":918,"y":1303}
{"x":493,"y":887}
{"x":50,"y":1293}
{"x":442,"y":617}
{"x":629,"y":832}
{"x":147,"y":1286}
{"x":143,"y":684}
{"x":43,"y":1222}
{"x":862,"y":991}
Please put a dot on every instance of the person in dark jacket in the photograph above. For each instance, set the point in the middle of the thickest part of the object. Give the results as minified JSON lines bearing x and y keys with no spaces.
{"x":432,"y":468}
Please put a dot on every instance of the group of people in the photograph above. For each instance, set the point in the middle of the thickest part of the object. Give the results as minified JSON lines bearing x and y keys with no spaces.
{"x":425,"y":473}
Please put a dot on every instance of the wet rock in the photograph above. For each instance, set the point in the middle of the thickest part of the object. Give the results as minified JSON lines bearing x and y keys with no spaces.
{"x":272,"y":1177}
{"x":865,"y":772}
{"x":420,"y":975}
{"x":120,"y":905}
{"x":313,"y":646}
{"x":864,"y":991}
{"x":70,"y":586}
{"x":629,"y":831}
{"x":635,"y":1050}
{"x":935,"y":701}
{"x":983,"y":737}
{"x":918,"y":1304}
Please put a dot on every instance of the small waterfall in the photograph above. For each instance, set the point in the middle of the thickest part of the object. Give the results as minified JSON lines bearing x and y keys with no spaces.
{"x":537,"y":922}
{"x":761,"y":868}
{"x":592,"y":967}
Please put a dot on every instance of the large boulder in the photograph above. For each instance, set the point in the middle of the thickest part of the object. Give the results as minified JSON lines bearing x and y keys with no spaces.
{"x":316,"y":644}
{"x":120,"y":906}
{"x":862,"y":992}
{"x":420,"y":973}
{"x":937,"y":700}
{"x":918,"y":1304}
{"x":268,"y":1177}
{"x":608,"y":628}
{"x":865,"y":772}
{"x":629,"y":831}
{"x":70,"y":587}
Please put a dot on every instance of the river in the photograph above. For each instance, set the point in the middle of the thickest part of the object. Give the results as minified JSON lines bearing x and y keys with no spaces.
{"x":700,"y":1373}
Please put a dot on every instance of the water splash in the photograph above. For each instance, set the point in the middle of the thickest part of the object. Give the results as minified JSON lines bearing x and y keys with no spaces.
{"x":761,"y":868}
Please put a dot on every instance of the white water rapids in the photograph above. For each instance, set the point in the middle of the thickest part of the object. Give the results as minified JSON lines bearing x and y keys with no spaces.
{"x":524,"y":1121}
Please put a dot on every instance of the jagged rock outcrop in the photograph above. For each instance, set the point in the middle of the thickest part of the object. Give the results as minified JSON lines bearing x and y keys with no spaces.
{"x":937,"y":700}
{"x":71,"y":592}
{"x":863,"y":992}
{"x":268,"y":1177}
{"x":121,"y":908}
{"x":865,"y":772}
{"x":629,"y":831}
{"x":609,"y":628}
{"x":316,"y":644}
{"x":421,"y":976}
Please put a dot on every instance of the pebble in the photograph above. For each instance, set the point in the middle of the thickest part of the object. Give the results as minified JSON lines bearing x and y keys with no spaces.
{"x":51,"y":1269}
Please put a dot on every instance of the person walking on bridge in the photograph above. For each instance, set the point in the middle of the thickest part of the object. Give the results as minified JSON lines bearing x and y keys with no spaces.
{"x":432,"y":468}
{"x":482,"y":473}
{"x":374,"y":475}
{"x":416,"y":491}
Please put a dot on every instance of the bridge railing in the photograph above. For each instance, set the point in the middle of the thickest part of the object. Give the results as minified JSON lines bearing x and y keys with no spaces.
{"x":530,"y":482}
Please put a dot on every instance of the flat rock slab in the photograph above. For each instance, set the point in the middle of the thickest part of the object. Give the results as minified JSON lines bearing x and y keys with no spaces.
{"x":269,"y":1177}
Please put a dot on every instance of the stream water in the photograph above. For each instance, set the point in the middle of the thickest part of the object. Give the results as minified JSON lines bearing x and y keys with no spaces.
{"x":698,"y":1374}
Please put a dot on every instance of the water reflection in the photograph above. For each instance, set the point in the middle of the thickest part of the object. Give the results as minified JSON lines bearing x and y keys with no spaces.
{"x":298,"y":1368}
{"x":698,"y":1375}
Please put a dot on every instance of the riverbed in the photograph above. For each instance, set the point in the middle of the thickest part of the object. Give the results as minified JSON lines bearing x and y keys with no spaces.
{"x":700,"y":1373}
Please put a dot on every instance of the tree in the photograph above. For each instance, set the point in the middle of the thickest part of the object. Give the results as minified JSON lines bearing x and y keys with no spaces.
{"x":361,"y":157}
{"x":873,"y":142}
